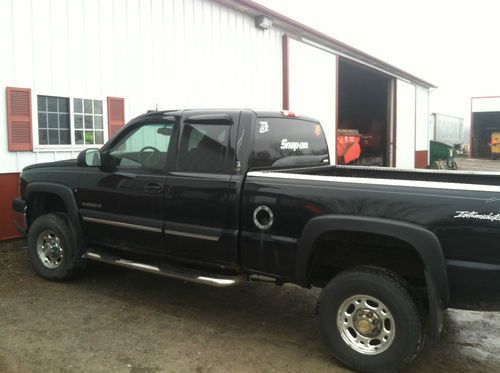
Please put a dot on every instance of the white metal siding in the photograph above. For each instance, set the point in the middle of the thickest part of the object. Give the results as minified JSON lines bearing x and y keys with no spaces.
{"x":482,"y":104}
{"x":405,"y":122}
{"x":165,"y":53}
{"x":312,"y":87}
{"x":432,"y":127}
{"x":421,"y":118}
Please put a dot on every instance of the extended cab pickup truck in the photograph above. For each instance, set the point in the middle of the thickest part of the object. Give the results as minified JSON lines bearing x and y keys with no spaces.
{"x":221,"y":196}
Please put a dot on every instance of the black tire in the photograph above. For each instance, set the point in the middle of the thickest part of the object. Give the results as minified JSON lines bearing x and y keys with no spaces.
{"x":56,"y":226}
{"x":391,"y":293}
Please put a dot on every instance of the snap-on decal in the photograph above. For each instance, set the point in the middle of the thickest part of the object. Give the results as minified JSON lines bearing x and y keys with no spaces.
{"x":293,"y":145}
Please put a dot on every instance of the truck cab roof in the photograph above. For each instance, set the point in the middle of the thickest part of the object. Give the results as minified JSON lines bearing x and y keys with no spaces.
{"x":259,"y":113}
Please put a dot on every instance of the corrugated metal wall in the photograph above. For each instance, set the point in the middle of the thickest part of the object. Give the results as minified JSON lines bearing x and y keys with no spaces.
{"x":485,"y":104}
{"x":165,"y":53}
{"x":421,"y":119}
{"x":313,"y":84}
{"x":405,"y":122}
{"x":421,"y":127}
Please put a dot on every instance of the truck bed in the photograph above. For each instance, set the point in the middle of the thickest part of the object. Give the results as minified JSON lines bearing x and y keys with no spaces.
{"x":460,"y":177}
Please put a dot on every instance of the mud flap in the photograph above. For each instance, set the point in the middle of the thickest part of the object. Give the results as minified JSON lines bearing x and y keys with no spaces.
{"x":436,"y":308}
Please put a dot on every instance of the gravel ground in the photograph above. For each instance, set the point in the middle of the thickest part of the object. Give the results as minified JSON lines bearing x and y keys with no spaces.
{"x":118,"y":320}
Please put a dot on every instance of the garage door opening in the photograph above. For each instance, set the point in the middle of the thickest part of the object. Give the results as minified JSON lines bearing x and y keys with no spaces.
{"x":364,"y":117}
{"x":484,"y":124}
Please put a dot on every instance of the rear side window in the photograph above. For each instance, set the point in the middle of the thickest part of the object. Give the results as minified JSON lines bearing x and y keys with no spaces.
{"x":283,"y":142}
{"x":203,"y":147}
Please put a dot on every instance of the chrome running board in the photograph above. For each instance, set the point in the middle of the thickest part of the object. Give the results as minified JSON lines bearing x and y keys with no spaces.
{"x":183,"y":274}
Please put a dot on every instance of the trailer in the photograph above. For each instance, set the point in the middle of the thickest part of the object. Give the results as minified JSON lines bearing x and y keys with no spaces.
{"x":447,"y":129}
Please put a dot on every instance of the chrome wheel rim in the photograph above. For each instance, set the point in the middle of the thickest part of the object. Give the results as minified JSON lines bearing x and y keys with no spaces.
{"x":366,"y":324}
{"x":49,"y":249}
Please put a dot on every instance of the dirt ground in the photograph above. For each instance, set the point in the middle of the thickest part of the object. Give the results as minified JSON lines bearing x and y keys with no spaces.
{"x":118,"y":320}
{"x":473,"y":164}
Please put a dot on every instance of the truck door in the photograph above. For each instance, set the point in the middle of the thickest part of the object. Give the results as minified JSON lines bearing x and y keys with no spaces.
{"x":200,"y":205}
{"x":121,"y":205}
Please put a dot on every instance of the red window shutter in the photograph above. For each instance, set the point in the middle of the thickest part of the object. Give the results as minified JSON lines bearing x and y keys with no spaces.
{"x":116,"y":115}
{"x":19,"y":119}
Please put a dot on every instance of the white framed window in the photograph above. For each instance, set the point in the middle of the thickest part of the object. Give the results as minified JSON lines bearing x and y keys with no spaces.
{"x":68,"y":123}
{"x":53,"y":120}
{"x":88,"y":121}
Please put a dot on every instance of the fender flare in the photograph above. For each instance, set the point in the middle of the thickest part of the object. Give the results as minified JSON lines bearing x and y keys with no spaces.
{"x":424,"y":241}
{"x":66,"y":194}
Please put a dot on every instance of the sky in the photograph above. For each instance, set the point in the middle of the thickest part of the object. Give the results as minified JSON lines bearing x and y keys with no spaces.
{"x":453,"y":44}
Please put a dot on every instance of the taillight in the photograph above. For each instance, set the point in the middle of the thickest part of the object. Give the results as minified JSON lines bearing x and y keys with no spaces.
{"x":289,"y":114}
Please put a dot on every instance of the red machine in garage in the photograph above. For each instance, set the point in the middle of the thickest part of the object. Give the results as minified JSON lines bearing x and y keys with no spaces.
{"x":348,"y":146}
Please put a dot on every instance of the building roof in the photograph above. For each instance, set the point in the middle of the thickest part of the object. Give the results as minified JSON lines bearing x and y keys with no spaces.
{"x":300,"y":30}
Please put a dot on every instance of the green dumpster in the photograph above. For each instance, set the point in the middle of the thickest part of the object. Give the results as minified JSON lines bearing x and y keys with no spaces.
{"x":442,"y":155}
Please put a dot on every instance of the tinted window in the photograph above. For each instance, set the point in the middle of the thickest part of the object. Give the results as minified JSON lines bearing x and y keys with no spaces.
{"x":288,"y":142}
{"x":203,"y":147}
{"x":144,"y":147}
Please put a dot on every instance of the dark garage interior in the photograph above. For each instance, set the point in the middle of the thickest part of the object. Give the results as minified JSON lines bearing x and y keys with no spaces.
{"x":483,"y":125}
{"x":364,"y":96}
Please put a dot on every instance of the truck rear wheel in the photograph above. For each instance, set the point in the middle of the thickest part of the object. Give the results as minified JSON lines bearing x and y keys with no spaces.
{"x":370,"y":321}
{"x":51,"y":248}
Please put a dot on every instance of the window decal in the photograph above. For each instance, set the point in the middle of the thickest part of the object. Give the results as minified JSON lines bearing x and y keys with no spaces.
{"x":264,"y":127}
{"x":293,"y":145}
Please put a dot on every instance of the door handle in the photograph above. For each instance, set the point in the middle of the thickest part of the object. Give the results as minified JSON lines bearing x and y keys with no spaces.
{"x":153,"y":187}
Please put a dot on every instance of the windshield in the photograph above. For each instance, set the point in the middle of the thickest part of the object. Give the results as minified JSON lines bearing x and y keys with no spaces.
{"x":288,"y":142}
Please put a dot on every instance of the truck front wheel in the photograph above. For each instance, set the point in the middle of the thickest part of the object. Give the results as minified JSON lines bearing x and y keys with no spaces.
{"x":370,"y":321}
{"x":51,"y":248}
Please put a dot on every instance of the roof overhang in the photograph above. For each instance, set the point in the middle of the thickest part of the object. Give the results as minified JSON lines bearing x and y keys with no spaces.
{"x":321,"y":40}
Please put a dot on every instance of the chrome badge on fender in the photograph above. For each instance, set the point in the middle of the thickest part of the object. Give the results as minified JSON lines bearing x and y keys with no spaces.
{"x":477,"y":216}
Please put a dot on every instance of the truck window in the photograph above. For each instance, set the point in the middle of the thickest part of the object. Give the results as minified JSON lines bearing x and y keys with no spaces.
{"x":144,"y":147}
{"x":283,"y":142}
{"x":203,"y":148}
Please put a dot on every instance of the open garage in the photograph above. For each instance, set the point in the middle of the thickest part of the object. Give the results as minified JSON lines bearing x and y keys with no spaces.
{"x":371,"y":116}
{"x":485,"y":121}
{"x":365,"y":108}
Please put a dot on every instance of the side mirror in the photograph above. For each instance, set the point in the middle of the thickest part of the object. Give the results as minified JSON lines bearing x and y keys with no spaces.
{"x":89,"y":158}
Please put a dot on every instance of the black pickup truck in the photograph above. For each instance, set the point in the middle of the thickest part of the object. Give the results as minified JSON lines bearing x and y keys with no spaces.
{"x":221,"y":196}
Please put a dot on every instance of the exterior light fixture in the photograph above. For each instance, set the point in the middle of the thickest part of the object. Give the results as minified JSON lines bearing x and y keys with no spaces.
{"x":263,"y":22}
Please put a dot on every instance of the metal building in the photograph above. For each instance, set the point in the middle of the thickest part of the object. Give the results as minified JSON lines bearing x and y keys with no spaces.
{"x":485,"y":119}
{"x":72,"y":72}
